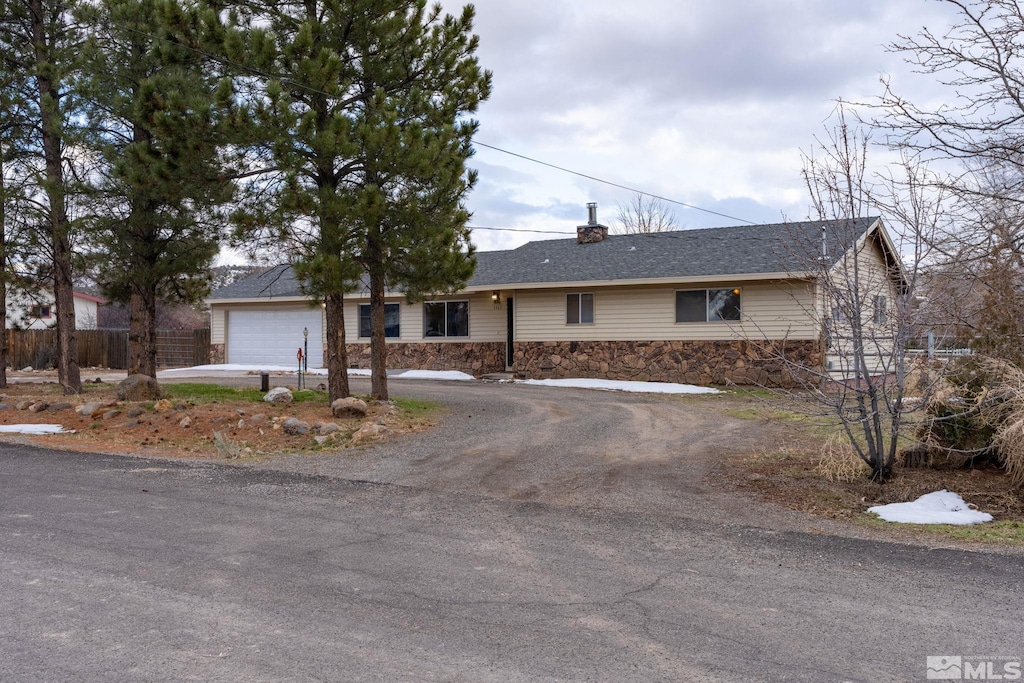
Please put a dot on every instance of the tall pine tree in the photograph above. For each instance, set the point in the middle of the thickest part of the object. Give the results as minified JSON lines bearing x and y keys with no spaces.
{"x":39,"y":40}
{"x":157,"y":115}
{"x":361,"y":125}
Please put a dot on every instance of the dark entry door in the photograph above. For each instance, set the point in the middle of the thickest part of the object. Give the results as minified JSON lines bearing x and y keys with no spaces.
{"x":509,"y":352}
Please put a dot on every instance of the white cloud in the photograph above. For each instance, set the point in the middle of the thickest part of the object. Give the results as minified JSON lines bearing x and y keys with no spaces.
{"x":708,"y":103}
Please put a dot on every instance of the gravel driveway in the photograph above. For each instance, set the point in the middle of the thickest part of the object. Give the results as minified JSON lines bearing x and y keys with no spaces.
{"x":585,"y":448}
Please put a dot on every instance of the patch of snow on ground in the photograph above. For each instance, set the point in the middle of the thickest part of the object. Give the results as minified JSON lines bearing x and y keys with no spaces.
{"x":33,"y":429}
{"x":940,"y":507}
{"x":618,"y":385}
{"x":200,"y":370}
{"x":432,"y":374}
{"x":237,"y":367}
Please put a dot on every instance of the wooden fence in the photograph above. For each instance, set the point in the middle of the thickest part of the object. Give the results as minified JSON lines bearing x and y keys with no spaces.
{"x":107,"y":348}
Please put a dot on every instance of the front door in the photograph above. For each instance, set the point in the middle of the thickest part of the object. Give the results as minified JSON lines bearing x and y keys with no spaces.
{"x":510,"y":332}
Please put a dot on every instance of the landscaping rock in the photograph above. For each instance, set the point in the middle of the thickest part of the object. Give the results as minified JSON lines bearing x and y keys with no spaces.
{"x":58,"y":407}
{"x":139,"y":388}
{"x":321,"y":440}
{"x":163,"y":406}
{"x":295,"y":427}
{"x":186,"y":422}
{"x":110,"y":414}
{"x":278,"y":395}
{"x":370,"y":430}
{"x":258,"y":419}
{"x":23,"y":405}
{"x":349,"y":407}
{"x":136,"y":411}
{"x":4,"y":406}
{"x":38,"y":407}
{"x":27,"y":368}
{"x":88,"y":409}
{"x":328,"y":428}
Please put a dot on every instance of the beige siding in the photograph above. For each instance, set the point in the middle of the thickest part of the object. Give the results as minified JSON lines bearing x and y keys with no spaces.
{"x":870,"y":279}
{"x":486,"y":321}
{"x":769,"y":311}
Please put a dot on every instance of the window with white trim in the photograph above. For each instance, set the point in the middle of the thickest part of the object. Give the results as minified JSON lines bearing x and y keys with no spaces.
{"x":392,"y":314}
{"x":579,"y":309}
{"x":881,"y":313}
{"x":446,"y":319}
{"x":708,"y":305}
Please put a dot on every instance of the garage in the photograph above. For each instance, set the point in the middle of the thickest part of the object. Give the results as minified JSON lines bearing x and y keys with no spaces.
{"x":272,"y":336}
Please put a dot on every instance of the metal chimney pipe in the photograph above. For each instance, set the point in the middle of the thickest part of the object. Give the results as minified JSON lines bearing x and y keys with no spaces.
{"x":592,"y":213}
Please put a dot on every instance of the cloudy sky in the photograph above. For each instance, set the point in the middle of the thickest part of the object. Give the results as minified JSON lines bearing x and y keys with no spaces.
{"x":707,"y":102}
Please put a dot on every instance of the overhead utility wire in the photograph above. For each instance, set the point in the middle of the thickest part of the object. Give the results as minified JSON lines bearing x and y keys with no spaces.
{"x":317,"y":91}
{"x":608,"y":182}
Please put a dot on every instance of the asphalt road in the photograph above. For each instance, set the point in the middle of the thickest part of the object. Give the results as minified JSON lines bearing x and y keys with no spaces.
{"x":116,"y":569}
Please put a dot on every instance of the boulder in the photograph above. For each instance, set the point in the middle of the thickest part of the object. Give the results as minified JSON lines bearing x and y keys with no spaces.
{"x":278,"y":395}
{"x":349,"y":407}
{"x":110,"y":414}
{"x":294,"y":426}
{"x":5,"y":406}
{"x":327,"y":428}
{"x":88,"y":409}
{"x":38,"y":407}
{"x":136,"y":411}
{"x":23,"y":405}
{"x":139,"y":388}
{"x":58,"y":407}
{"x":370,"y":430}
{"x":163,"y":406}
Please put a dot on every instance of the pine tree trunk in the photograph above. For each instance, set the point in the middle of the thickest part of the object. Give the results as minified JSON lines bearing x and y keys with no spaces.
{"x":68,"y":372}
{"x":337,"y":354}
{"x":378,"y":343}
{"x":3,"y":277}
{"x":142,"y":332}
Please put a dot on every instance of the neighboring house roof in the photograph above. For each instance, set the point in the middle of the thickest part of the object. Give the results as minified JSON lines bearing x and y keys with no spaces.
{"x":90,"y":297}
{"x":780,"y":248}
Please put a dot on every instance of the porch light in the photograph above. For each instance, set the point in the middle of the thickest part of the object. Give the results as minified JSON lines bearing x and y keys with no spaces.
{"x":496,"y":297}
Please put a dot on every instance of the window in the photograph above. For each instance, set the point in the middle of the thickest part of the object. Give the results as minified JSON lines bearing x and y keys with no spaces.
{"x":881,"y":310}
{"x":446,"y":319}
{"x":579,"y":309}
{"x":707,"y":305}
{"x":391,"y":320}
{"x":40,"y":311}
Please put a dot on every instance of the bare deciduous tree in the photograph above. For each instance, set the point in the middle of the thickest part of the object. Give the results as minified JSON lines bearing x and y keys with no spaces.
{"x":863,"y":290}
{"x":980,"y":59}
{"x":644,"y":213}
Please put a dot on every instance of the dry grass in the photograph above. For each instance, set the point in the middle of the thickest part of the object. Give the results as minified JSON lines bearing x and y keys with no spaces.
{"x":839,"y":462}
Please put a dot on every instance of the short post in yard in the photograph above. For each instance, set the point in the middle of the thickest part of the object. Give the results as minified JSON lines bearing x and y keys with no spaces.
{"x":305,"y":349}
{"x":298,"y":356}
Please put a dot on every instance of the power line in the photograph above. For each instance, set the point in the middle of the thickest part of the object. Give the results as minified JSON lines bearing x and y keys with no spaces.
{"x":609,"y":182}
{"x":317,"y":91}
{"x":542,"y":232}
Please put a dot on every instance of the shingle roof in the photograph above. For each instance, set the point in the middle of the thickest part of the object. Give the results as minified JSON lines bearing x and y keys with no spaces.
{"x":710,"y":252}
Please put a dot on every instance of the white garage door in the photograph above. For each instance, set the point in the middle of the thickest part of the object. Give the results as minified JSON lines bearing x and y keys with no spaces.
{"x":272,"y":337}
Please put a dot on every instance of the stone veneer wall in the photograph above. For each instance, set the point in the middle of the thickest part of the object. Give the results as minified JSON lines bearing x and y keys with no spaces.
{"x":693,"y":362}
{"x":475,"y":358}
{"x":218,"y":353}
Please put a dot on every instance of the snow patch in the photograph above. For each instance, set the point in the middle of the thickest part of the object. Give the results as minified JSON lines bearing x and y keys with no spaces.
{"x":200,"y":370}
{"x":432,"y":374}
{"x":34,"y":429}
{"x":940,"y":507}
{"x":618,"y":385}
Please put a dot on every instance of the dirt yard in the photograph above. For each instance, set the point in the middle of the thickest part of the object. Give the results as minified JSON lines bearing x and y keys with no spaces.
{"x":199,"y":421}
